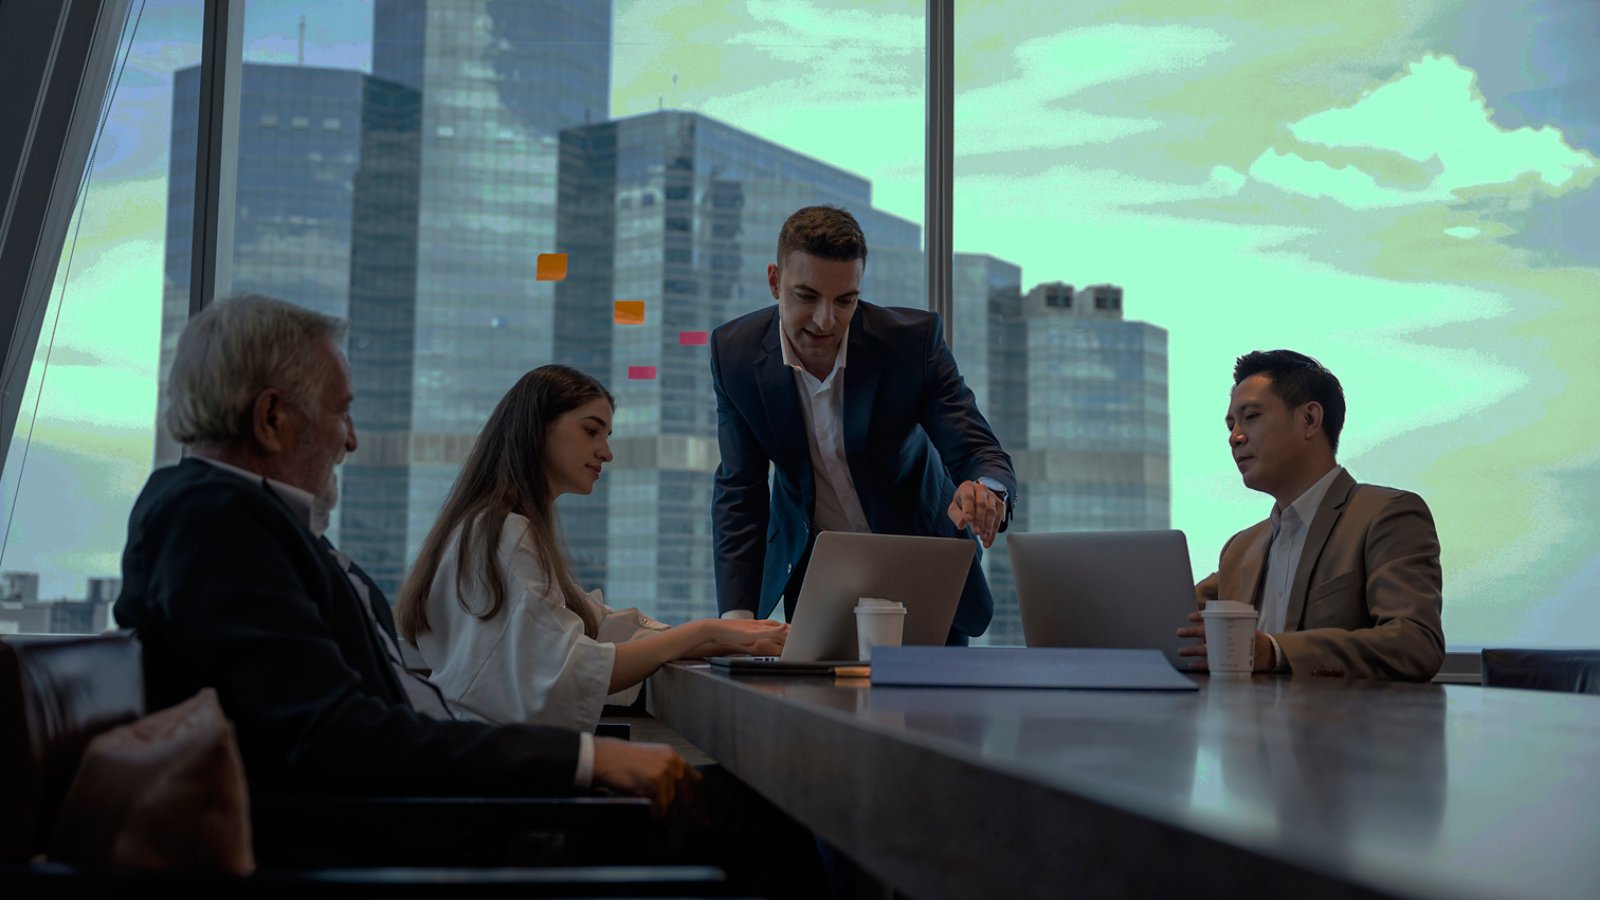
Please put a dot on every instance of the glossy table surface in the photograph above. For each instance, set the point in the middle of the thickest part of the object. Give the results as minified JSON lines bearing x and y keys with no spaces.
{"x":1323,"y":787}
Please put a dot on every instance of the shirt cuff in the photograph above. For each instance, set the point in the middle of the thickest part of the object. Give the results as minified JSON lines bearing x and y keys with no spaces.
{"x":585,"y":775}
{"x":1277,"y":655}
{"x":739,"y":614}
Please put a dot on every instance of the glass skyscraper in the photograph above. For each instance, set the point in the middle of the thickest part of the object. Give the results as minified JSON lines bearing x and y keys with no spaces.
{"x":415,"y":202}
{"x":680,"y":211}
{"x":498,"y":81}
{"x":1094,"y":449}
{"x":990,"y":346}
{"x":304,"y":135}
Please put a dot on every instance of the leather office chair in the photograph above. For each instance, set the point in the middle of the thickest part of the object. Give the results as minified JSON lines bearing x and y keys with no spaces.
{"x":1571,"y":671}
{"x":56,"y":694}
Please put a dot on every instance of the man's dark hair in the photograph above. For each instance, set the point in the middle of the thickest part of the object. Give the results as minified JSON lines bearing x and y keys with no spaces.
{"x":827,"y":232}
{"x":1298,"y":379}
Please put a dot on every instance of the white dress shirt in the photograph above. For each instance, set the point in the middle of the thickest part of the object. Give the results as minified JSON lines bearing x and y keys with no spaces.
{"x":838,"y":507}
{"x":531,"y":662}
{"x":1287,"y":542}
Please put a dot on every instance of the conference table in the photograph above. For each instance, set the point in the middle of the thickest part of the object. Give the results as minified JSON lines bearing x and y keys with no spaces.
{"x":1265,"y":786}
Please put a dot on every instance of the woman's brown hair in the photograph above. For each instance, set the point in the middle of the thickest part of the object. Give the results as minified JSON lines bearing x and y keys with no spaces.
{"x":504,"y":474}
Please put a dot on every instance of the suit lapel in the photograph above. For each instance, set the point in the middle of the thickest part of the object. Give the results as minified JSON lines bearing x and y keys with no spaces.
{"x":323,"y":550}
{"x":1322,"y":523}
{"x":863,"y":368}
{"x":781,"y":400}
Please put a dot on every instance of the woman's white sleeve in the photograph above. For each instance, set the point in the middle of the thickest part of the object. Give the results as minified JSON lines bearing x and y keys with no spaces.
{"x":547,"y":670}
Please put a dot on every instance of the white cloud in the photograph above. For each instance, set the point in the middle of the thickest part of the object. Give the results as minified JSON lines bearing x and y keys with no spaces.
{"x":1026,"y":111}
{"x":1349,"y":185}
{"x":811,"y":32}
{"x":1432,"y":113}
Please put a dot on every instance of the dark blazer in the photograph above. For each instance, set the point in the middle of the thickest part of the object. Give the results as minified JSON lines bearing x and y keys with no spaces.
{"x":912,"y":432}
{"x":1367,"y":595}
{"x":229,"y":590}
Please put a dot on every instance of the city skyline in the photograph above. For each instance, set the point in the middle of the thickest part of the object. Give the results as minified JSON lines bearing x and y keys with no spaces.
{"x":1400,"y":190}
{"x":671,"y":207}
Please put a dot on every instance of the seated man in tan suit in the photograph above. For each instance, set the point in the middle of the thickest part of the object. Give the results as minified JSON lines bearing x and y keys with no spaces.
{"x":1345,"y":575}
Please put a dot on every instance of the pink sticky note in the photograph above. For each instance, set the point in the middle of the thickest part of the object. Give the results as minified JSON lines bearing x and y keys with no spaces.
{"x":693,"y":338}
{"x":641,"y":373}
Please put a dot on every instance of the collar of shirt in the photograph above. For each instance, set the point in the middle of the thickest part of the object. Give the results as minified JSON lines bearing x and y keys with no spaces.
{"x":1303,"y":508}
{"x":301,"y":502}
{"x":791,"y":357}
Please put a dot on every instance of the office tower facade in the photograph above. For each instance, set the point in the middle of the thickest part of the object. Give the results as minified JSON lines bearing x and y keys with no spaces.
{"x":415,"y":203}
{"x":1099,"y":453}
{"x":990,"y":346}
{"x":682,"y":212}
{"x":1095,"y":455}
{"x":435,"y":346}
{"x":19,"y":587}
{"x":22,"y":612}
{"x":103,"y":590}
{"x":300,"y":145}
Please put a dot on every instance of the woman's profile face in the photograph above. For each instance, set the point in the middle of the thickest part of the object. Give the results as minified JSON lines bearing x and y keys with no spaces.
{"x":577,"y":446}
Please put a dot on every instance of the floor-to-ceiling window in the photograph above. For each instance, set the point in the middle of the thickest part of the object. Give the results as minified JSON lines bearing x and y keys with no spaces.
{"x":85,"y":436}
{"x":1406,"y":191}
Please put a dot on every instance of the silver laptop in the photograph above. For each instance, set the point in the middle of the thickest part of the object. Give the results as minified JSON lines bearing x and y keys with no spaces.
{"x":1121,"y":589}
{"x":926,"y":574}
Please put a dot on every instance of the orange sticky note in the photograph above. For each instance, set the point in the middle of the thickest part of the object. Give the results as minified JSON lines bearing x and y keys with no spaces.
{"x":641,"y":373}
{"x":552,"y":267}
{"x":628,"y":312}
{"x":693,"y":338}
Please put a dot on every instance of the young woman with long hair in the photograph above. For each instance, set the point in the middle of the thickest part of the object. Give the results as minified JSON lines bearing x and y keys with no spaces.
{"x":491,"y":602}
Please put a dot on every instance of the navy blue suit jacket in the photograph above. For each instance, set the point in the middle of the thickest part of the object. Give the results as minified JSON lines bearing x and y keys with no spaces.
{"x":912,"y":432}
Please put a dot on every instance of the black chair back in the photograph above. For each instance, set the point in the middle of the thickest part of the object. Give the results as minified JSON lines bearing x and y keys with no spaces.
{"x":1570,"y":671}
{"x":55,"y":695}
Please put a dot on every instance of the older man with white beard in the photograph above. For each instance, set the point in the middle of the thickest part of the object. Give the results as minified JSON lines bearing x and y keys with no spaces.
{"x":231,"y":585}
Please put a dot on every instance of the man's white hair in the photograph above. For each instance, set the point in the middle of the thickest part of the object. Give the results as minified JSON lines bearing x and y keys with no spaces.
{"x":231,"y":352}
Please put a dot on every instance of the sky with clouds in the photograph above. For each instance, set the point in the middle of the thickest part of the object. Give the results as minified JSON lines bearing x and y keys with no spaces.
{"x":1404,"y":189}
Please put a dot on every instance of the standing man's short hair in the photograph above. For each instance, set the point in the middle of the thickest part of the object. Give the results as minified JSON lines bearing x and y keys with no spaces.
{"x":1298,"y":379}
{"x":826,"y":232}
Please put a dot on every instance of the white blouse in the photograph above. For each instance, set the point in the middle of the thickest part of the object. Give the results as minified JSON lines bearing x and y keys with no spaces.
{"x":531,"y":662}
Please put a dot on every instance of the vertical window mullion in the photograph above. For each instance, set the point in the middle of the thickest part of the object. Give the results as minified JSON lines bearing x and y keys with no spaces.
{"x":216,"y":151}
{"x":940,"y":154}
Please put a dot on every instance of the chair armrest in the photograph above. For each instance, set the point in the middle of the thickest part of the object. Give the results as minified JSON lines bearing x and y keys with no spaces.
{"x":309,"y":831}
{"x":48,"y":880}
{"x":622,"y":731}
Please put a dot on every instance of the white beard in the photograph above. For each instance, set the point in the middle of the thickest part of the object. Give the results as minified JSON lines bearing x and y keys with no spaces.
{"x":323,"y":502}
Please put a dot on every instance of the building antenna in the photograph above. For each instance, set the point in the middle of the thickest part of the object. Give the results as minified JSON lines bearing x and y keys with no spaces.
{"x":301,"y":58}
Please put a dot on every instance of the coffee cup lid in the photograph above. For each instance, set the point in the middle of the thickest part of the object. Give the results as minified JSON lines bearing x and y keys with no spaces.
{"x":1245,"y":612}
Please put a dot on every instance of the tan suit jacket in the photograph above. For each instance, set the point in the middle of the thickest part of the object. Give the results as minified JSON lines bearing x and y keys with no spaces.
{"x":1367,"y":593}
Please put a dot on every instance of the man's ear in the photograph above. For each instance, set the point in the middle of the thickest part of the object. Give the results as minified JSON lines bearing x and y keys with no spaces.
{"x":772,"y":278}
{"x":267,"y":421}
{"x":1311,"y":419}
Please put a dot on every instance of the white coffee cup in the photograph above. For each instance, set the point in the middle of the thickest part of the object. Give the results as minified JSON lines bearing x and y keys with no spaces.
{"x":1230,"y":637}
{"x":879,"y":622}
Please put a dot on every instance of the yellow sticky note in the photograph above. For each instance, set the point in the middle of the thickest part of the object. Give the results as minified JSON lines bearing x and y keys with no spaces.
{"x":552,"y":267}
{"x":628,"y":312}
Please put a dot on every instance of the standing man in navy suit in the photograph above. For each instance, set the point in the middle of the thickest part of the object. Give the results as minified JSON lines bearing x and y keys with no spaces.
{"x":863,"y":416}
